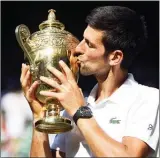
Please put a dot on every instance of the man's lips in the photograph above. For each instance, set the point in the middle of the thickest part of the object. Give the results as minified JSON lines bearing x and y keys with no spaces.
{"x":78,"y":63}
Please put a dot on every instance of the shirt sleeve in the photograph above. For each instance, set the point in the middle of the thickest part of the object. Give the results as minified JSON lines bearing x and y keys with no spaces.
{"x":143,"y":122}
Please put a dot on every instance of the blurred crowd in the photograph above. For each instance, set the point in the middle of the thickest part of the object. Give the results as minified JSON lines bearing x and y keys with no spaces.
{"x":16,"y":125}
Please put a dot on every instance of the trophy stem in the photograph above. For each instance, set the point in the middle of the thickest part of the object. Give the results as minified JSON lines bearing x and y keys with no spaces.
{"x":53,"y":123}
{"x":53,"y":110}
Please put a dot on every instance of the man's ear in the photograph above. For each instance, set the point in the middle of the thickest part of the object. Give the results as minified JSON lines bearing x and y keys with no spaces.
{"x":115,"y":57}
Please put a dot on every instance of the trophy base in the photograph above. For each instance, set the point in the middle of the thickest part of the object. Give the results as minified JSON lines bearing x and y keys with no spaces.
{"x":53,"y":125}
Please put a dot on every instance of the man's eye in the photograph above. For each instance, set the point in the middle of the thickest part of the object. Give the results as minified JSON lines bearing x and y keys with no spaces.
{"x":89,"y":45}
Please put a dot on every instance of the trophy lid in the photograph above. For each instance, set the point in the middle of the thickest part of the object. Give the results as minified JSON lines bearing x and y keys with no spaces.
{"x":51,"y":22}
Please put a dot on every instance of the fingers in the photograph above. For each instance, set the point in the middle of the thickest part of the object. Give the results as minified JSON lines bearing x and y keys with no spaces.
{"x":67,"y":70}
{"x":50,"y":94}
{"x":63,"y":78}
{"x":51,"y":82}
{"x":25,"y":77}
{"x":26,"y":81}
{"x":24,"y":70}
{"x":32,"y":89}
{"x":57,"y":73}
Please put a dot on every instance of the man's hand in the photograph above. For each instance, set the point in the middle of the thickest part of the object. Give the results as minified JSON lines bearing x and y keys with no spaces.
{"x":29,"y":91}
{"x":68,"y":92}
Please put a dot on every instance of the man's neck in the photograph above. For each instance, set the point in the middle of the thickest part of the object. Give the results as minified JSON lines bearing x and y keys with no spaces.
{"x":108,"y":84}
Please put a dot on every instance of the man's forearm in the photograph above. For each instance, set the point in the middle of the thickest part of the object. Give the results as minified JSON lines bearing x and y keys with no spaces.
{"x":40,"y":145}
{"x":99,"y":142}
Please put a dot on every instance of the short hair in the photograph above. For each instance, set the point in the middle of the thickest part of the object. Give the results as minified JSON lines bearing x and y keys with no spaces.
{"x":123,"y":29}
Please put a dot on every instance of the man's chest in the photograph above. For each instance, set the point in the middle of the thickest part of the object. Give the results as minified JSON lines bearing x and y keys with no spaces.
{"x":112,"y":120}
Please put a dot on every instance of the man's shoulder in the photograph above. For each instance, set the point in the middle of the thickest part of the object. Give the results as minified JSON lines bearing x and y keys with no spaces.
{"x":148,"y":95}
{"x":148,"y":91}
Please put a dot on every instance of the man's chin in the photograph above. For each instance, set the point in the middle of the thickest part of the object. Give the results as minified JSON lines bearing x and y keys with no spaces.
{"x":85,"y":73}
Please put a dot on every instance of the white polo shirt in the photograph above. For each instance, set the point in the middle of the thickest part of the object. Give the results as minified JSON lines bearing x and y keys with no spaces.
{"x":132,"y":110}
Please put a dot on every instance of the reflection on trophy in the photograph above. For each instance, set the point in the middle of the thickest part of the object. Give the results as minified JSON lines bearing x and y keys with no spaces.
{"x":43,"y":48}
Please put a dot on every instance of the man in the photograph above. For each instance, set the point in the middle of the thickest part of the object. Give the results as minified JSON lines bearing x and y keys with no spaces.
{"x":120,"y":116}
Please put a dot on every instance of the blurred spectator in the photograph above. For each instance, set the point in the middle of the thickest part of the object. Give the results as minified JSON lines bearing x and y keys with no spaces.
{"x":4,"y":137}
{"x":16,"y":125}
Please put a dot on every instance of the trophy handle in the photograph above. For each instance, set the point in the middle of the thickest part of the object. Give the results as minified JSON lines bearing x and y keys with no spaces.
{"x":22,"y":34}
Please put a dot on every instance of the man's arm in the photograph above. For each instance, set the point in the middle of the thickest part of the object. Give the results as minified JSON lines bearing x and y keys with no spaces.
{"x":40,"y":146}
{"x":103,"y":145}
{"x":40,"y":142}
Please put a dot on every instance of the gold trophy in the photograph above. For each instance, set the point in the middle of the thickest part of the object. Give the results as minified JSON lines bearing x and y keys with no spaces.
{"x":43,"y":48}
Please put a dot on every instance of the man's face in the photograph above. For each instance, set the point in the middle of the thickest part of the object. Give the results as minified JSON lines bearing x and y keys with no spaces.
{"x":91,"y":53}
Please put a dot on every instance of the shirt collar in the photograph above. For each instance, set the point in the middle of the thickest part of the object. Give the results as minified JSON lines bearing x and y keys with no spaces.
{"x":124,"y":95}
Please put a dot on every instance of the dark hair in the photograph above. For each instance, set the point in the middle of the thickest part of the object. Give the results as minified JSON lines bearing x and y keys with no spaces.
{"x":123,"y":29}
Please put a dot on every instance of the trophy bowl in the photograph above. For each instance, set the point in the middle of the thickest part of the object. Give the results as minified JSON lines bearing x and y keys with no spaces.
{"x":42,"y":49}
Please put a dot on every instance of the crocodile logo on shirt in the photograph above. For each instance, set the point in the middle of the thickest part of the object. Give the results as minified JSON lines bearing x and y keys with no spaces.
{"x":114,"y":121}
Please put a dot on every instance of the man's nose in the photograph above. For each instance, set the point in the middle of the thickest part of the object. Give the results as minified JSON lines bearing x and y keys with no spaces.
{"x":79,"y":49}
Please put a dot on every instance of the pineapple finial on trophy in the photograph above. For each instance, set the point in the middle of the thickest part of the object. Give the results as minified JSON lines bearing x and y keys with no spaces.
{"x":51,"y":16}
